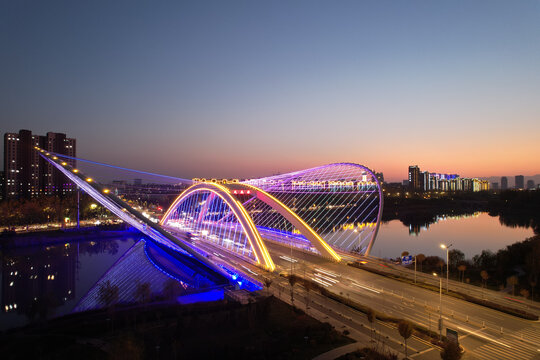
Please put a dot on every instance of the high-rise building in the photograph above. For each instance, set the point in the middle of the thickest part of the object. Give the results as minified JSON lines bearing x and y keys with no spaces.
{"x":530,"y":184}
{"x":414,"y":177}
{"x":26,"y":173}
{"x":495,"y":186}
{"x":424,"y":181}
{"x":504,"y":183}
{"x":520,"y":182}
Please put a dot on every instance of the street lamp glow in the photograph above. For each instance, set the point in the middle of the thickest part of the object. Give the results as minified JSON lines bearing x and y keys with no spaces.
{"x":89,"y":179}
{"x":446,"y":247}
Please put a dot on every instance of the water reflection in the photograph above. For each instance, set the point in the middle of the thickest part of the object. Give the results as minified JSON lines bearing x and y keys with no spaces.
{"x":416,"y":228}
{"x":133,"y":278}
{"x":471,"y":234}
{"x":37,"y":280}
{"x":44,"y":280}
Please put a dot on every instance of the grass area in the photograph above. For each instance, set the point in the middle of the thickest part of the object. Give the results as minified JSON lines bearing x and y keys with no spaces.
{"x":490,"y":304}
{"x":265,"y":329}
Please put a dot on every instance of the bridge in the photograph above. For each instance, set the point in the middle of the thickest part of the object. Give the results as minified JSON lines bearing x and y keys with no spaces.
{"x":235,"y":232}
{"x":324,"y":211}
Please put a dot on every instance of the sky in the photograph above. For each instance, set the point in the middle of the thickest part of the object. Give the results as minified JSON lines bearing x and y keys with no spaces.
{"x":251,"y":88}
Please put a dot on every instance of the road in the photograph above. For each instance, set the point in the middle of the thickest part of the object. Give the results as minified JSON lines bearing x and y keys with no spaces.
{"x":483,"y":332}
{"x":478,"y":292}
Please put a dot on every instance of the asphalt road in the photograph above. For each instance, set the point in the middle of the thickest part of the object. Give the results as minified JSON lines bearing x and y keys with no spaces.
{"x":483,"y":332}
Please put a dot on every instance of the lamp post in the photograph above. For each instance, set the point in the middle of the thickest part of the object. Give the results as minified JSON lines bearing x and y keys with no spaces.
{"x":440,"y":305}
{"x":443,"y":246}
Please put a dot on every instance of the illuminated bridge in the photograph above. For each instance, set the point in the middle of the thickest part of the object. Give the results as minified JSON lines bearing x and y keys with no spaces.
{"x":326,"y":210}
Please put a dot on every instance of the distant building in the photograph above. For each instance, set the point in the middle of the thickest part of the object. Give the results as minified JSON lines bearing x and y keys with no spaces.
{"x":530,"y":184}
{"x":520,"y":182}
{"x":405,"y":183}
{"x":426,"y":181}
{"x":414,"y":177}
{"x":26,"y":173}
{"x":137,"y":182}
{"x":504,"y":183}
{"x":495,"y":186}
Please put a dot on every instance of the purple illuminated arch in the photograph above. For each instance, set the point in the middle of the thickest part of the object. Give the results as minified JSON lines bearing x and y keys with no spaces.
{"x":340,"y":185}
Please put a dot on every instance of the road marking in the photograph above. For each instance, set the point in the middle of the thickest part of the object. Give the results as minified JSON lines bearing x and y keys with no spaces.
{"x":323,"y":283}
{"x":366,"y":288}
{"x":327,"y":272}
{"x":327,"y":278}
{"x":475,"y":333}
{"x":492,"y":351}
{"x":248,"y":269}
{"x":286,"y":258}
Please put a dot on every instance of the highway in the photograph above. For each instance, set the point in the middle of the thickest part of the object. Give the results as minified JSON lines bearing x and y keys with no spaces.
{"x":483,"y":332}
{"x":478,"y":292}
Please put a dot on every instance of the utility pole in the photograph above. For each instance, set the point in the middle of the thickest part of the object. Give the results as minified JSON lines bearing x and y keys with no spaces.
{"x":440,"y":306}
{"x":443,"y":246}
{"x":415,"y":269}
{"x":78,"y":211}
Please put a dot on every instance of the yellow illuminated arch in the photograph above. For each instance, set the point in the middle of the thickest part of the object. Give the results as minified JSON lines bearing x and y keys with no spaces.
{"x":262,"y":255}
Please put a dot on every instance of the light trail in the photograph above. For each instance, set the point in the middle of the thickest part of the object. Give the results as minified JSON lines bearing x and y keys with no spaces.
{"x":366,"y":288}
{"x":326,"y":278}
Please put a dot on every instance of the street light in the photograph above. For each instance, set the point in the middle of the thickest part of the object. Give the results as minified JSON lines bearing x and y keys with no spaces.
{"x":443,"y":246}
{"x":440,"y":305}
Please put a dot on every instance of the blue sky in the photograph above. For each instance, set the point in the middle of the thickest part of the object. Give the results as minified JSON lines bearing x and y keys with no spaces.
{"x":247,"y":88}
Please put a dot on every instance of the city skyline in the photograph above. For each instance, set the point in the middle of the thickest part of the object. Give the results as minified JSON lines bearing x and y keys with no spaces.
{"x":252,"y":88}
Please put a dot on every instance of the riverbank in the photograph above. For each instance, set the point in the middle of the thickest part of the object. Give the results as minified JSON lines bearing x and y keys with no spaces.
{"x":514,"y":208}
{"x":11,"y":240}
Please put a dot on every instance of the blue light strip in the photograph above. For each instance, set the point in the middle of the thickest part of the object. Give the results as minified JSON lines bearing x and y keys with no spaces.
{"x":186,"y":181}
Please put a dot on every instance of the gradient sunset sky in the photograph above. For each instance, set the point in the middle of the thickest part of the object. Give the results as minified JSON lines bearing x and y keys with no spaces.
{"x":252,"y":88}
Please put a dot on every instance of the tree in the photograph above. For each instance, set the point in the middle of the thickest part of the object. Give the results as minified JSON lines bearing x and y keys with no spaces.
{"x":455,"y":257}
{"x":441,"y":264}
{"x":462,"y":269}
{"x":308,"y":286}
{"x":142,"y":292}
{"x":371,"y":316}
{"x":420,"y":259}
{"x":533,"y":281}
{"x":405,"y":329}
{"x":405,"y":253}
{"x":512,"y":281}
{"x":267,"y":283}
{"x":485,"y":276}
{"x":292,"y":281}
{"x":107,"y":294}
{"x":451,"y":351}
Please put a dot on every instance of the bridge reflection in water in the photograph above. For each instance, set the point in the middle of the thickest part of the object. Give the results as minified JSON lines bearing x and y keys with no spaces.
{"x":147,"y":272}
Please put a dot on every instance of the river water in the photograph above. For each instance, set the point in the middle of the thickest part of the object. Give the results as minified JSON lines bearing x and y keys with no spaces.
{"x":471,"y":234}
{"x":61,"y":275}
